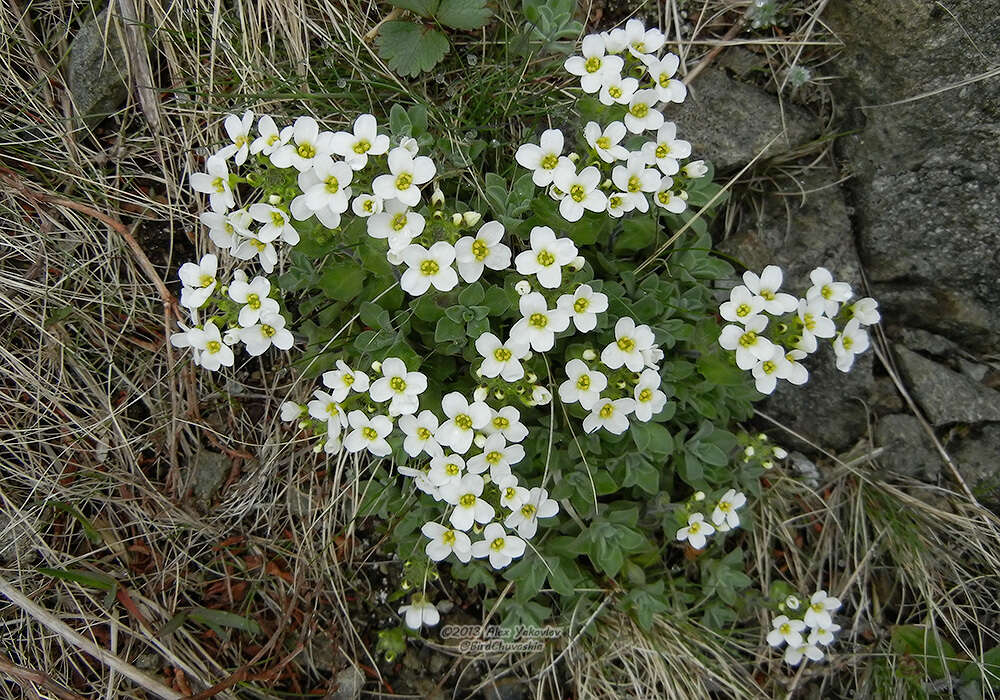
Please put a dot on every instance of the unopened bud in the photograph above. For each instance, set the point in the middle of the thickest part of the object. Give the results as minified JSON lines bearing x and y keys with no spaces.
{"x":695,"y":168}
{"x":479,"y":441}
{"x":318,"y":447}
{"x":377,"y":366}
{"x":576,"y":263}
{"x":531,"y":377}
{"x":540,"y":395}
{"x":437,"y":197}
{"x":480,"y":393}
{"x":589,"y":355}
{"x":394,"y":257}
{"x":456,"y":219}
{"x":274,"y":200}
{"x":792,"y":602}
{"x":699,"y":496}
{"x":410,"y":144}
{"x":779,"y":452}
{"x":749,"y":451}
{"x":522,"y":287}
{"x":499,"y":394}
{"x":574,"y":157}
{"x":471,"y":218}
{"x":527,"y":355}
{"x":767,"y":464}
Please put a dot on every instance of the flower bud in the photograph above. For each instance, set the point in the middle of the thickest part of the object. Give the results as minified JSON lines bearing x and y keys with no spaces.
{"x":540,"y":395}
{"x":499,"y":394}
{"x":437,"y":198}
{"x":231,"y":337}
{"x":480,"y":393}
{"x":456,"y":219}
{"x":779,"y":452}
{"x":620,"y":384}
{"x":589,"y":355}
{"x":527,"y":356}
{"x":576,"y":263}
{"x":695,"y":168}
{"x":410,"y":144}
{"x":438,"y":214}
{"x":291,"y":411}
{"x":303,"y":424}
{"x":531,"y":377}
{"x":749,"y":451}
{"x":767,"y":464}
{"x":479,"y":441}
{"x":471,"y":218}
{"x":318,"y":447}
{"x":394,"y":257}
{"x":699,"y":496}
{"x":522,"y":287}
{"x":377,"y":366}
{"x":240,"y":275}
{"x":274,"y":200}
{"x":683,"y":195}
{"x":792,"y":602}
{"x":574,"y":157}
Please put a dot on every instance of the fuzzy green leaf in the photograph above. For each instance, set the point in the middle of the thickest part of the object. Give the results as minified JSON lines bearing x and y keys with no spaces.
{"x":462,"y":14}
{"x":411,"y":48}
{"x":342,"y":281}
{"x":424,"y":8}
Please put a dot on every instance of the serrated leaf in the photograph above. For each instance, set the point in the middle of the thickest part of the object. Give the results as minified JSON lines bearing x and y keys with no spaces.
{"x":424,"y":8}
{"x":410,"y":48}
{"x":462,"y":14}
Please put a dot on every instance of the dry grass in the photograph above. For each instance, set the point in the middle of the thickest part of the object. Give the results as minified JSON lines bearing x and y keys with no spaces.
{"x":105,"y":432}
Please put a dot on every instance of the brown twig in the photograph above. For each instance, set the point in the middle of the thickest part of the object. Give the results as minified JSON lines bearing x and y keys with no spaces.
{"x":26,"y":675}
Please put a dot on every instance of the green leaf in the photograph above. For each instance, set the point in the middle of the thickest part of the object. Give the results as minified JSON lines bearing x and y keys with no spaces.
{"x":529,"y":575}
{"x":418,"y":119}
{"x":472,"y":295}
{"x":221,"y":618}
{"x":653,"y":437}
{"x":708,"y":453}
{"x":645,"y":602}
{"x":926,"y":646}
{"x":410,"y":48}
{"x":462,"y":14}
{"x":374,"y":316}
{"x":639,"y":472}
{"x":342,"y":281}
{"x":448,"y":330}
{"x":90,"y":579}
{"x":985,"y":669}
{"x":399,"y":121}
{"x":424,"y":8}
{"x":637,"y":233}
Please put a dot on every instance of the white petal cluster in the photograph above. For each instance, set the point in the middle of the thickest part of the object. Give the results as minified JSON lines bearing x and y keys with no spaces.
{"x":817,"y":621}
{"x":755,"y":303}
{"x":723,"y":519}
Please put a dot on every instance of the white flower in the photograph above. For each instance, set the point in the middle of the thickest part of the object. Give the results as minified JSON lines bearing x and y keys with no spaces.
{"x":794,"y":654}
{"x":199,"y":281}
{"x":610,"y":415}
{"x":325,"y":407}
{"x":419,"y":612}
{"x":445,"y":541}
{"x":421,"y":481}
{"x":652,"y":357}
{"x":512,"y":496}
{"x":365,"y":141}
{"x":547,"y":257}
{"x":469,"y":507}
{"x":292,"y":411}
{"x":617,"y":90}
{"x":215,"y":183}
{"x":507,"y":422}
{"x":666,"y":149}
{"x":544,"y":160}
{"x":254,"y":297}
{"x":497,"y":456}
{"x":485,"y":250}
{"x":407,"y":172}
{"x":368,"y":433}
{"x":634,"y":178}
{"x":308,"y":144}
{"x":183,"y":340}
{"x":365,"y":205}
{"x":212,"y":352}
{"x":814,"y":324}
{"x":276,"y":224}
{"x":630,"y":342}
{"x":823,"y":635}
{"x":501,"y":359}
{"x":399,"y":387}
{"x":695,"y":169}
{"x":662,"y":71}
{"x":537,"y":505}
{"x":539,"y":323}
{"x":785,"y":631}
{"x":500,"y":547}
{"x":640,"y":41}
{"x":865,"y":311}
{"x":696,"y":532}
{"x":766,"y":287}
{"x":270,"y":330}
{"x":749,"y":345}
{"x":725,"y":510}
{"x":225,"y":230}
{"x":619,"y":204}
{"x":742,"y":305}
{"x":343,"y":380}
{"x":607,"y":143}
{"x":666,"y":198}
{"x":463,"y":420}
{"x":326,"y":186}
{"x":820,"y":607}
{"x":239,"y":133}
{"x":594,"y":64}
{"x":827,"y":292}
{"x":642,"y":115}
{"x":270,"y":138}
{"x":249,"y":248}
{"x":583,"y":384}
{"x":428,"y":267}
{"x":397,"y":224}
{"x":419,"y":431}
{"x":579,"y":192}
{"x":767,"y":371}
{"x":649,"y":400}
{"x":446,"y":470}
{"x":582,"y":306}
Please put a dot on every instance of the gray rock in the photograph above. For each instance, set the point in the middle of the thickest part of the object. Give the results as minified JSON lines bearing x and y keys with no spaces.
{"x":926,"y":172}
{"x":96,"y":70}
{"x":944,"y":395}
{"x":349,"y":684}
{"x":977,"y":456}
{"x":210,"y":472}
{"x":729,"y":122}
{"x":925,"y":341}
{"x":908,"y":449}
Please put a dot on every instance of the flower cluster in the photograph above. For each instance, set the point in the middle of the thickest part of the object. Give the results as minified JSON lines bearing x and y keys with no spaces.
{"x":771,"y":331}
{"x":818,"y":620}
{"x":621,"y":173}
{"x":724,"y":518}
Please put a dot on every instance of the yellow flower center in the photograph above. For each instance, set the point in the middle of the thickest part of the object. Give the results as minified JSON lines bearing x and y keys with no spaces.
{"x":607,"y":410}
{"x":206,"y":280}
{"x":494,"y":457}
{"x":501,"y":423}
{"x":634,"y":184}
{"x":538,"y":320}
{"x":277,"y":219}
{"x":639,"y":46}
{"x":626,"y":344}
{"x":332,"y":186}
{"x":664,"y":80}
{"x":369,"y":433}
{"x":463,"y":421}
{"x":603,"y":142}
{"x":725,"y":506}
{"x":306,"y":150}
{"x":767,"y":294}
{"x":480,"y":250}
{"x":368,"y":205}
{"x":527,"y":510}
{"x":272,"y":139}
{"x":577,"y":193}
{"x":743,"y":310}
{"x":847,"y":342}
{"x":581,"y":304}
{"x":448,"y":538}
{"x":260,"y":246}
{"x":398,"y":222}
{"x":267,"y":331}
{"x":331,"y":409}
{"x":748,"y":339}
{"x":664,"y":197}
{"x":662,"y":150}
{"x":423,"y":433}
{"x":403,"y":181}
{"x":452,"y":469}
{"x":502,"y":354}
{"x":550,"y":161}
{"x":645,"y":395}
{"x":785,"y":628}
{"x":253,"y":301}
{"x":615,"y":91}
{"x":808,"y":321}
{"x":826,"y":291}
{"x":240,"y":141}
{"x":347,"y":379}
{"x":429,"y":268}
{"x":362,"y":146}
{"x":467,"y":500}
{"x":768,"y":367}
{"x":593,"y":64}
{"x":397,"y":384}
{"x":583,"y":382}
{"x":545,"y":258}
{"x":219,"y":185}
{"x":509,"y":493}
{"x":694,"y":528}
{"x":639,"y":110}
{"x":615,"y":201}
{"x":213,"y":346}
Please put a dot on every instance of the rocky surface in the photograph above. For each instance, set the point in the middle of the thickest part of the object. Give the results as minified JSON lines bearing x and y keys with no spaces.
{"x":96,"y":70}
{"x":907,"y":449}
{"x":944,"y":395}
